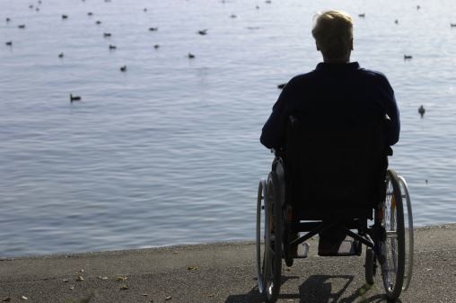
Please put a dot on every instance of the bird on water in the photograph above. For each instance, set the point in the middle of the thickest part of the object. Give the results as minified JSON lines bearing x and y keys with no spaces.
{"x":421,"y":111}
{"x":408,"y":57}
{"x":74,"y":98}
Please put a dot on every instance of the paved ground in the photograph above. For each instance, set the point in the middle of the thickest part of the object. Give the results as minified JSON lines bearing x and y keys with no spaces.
{"x":221,"y":273}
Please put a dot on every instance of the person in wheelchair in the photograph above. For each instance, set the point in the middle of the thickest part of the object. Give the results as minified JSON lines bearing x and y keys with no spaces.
{"x":335,"y":92}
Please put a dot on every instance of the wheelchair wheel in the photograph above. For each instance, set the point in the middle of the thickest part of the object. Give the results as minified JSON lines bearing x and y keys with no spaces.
{"x":408,"y":235}
{"x":260,"y":233}
{"x":392,"y":248}
{"x":269,"y":238}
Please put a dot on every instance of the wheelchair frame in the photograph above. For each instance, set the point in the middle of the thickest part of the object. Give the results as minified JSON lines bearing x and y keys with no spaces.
{"x":389,"y":240}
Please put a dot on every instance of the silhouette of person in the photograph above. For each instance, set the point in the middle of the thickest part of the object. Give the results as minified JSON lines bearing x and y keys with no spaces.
{"x":335,"y":90}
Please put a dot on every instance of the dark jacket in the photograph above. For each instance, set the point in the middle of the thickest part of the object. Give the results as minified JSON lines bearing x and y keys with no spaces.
{"x":330,"y":94}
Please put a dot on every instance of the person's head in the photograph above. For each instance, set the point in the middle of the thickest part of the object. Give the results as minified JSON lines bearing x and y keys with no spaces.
{"x":333,"y":33}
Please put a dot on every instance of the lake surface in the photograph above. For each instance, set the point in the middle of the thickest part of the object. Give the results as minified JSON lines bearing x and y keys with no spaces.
{"x":167,"y":152}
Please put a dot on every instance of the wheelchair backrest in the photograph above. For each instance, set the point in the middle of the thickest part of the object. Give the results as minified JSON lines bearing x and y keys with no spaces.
{"x":334,"y":169}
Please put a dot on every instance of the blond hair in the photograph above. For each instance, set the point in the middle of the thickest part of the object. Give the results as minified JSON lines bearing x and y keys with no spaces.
{"x":333,"y":33}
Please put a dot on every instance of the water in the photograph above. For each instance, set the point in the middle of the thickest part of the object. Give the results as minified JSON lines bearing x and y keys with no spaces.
{"x":168,"y":152}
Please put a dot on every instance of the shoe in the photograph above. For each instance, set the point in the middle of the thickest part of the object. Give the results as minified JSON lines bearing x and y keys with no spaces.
{"x":328,"y":247}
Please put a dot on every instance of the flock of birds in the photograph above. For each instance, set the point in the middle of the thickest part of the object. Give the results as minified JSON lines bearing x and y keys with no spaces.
{"x":201,"y":32}
{"x":406,"y":57}
{"x":111,"y":47}
{"x":421,"y":109}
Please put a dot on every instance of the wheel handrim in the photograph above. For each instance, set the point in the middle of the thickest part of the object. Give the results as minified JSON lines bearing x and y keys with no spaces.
{"x":268,"y":274}
{"x":275,"y":233}
{"x":409,"y":239}
{"x":392,"y":250}
{"x":260,"y":235}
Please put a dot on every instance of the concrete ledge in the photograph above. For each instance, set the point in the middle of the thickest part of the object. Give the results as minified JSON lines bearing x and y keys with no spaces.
{"x":222,"y":272}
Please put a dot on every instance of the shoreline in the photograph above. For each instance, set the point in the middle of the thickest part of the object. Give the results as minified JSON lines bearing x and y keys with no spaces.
{"x":222,"y":272}
{"x":178,"y":246}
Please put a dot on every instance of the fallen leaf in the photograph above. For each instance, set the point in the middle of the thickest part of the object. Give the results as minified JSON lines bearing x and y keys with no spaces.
{"x":123,"y":287}
{"x":72,"y":287}
{"x":121,"y":278}
{"x":192,"y":268}
{"x":168,"y":298}
{"x":80,"y":278}
{"x":24,"y":298}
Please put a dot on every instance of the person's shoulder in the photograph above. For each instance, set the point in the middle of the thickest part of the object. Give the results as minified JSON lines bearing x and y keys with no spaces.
{"x":302,"y":78}
{"x":374,"y":77}
{"x":371,"y":73}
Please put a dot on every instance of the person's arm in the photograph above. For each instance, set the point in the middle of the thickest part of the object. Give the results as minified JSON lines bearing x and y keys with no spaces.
{"x":273,"y":132}
{"x":392,"y":111}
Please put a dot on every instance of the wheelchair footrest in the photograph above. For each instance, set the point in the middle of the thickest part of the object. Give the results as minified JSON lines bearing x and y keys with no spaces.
{"x":348,"y":247}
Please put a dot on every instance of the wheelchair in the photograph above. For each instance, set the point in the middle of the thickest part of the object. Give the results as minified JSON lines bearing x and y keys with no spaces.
{"x":335,"y":179}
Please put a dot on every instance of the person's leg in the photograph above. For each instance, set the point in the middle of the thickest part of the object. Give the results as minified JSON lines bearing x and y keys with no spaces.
{"x":330,"y":240}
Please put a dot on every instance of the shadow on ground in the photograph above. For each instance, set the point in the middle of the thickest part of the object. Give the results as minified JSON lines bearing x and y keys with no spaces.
{"x":318,"y":289}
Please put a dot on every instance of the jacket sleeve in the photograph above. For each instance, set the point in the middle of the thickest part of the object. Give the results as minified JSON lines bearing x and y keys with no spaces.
{"x":392,"y":111}
{"x":273,"y":132}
